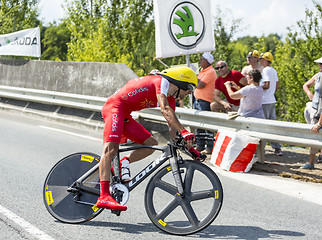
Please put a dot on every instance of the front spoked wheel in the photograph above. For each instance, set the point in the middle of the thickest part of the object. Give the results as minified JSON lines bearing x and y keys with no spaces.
{"x":194,"y":211}
{"x":66,"y":201}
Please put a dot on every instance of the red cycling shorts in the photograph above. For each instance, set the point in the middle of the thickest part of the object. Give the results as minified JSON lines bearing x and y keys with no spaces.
{"x":118,"y":122}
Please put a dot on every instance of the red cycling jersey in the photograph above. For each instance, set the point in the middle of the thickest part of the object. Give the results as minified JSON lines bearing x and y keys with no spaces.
{"x":136,"y":94}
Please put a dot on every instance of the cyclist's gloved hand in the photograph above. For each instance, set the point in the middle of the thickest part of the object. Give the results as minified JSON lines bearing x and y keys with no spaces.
{"x":197,"y":155}
{"x":187,"y":135}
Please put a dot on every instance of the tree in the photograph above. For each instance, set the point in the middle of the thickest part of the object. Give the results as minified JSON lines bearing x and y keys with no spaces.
{"x":223,"y":37}
{"x":55,"y":42}
{"x":115,"y":31}
{"x":17,"y":15}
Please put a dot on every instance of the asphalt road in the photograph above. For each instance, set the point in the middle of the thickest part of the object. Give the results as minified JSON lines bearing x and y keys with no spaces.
{"x":29,"y":147}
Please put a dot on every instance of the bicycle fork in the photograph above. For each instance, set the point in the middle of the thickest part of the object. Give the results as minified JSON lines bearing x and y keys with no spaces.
{"x":174,"y":163}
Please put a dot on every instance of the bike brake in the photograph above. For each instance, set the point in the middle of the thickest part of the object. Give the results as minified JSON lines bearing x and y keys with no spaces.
{"x":203,"y":157}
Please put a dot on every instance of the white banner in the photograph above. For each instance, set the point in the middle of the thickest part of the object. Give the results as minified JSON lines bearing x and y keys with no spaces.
{"x":22,"y":43}
{"x":183,"y":27}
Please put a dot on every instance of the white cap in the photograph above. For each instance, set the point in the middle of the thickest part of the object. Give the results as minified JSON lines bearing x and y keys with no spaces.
{"x":318,"y":60}
{"x":208,"y":56}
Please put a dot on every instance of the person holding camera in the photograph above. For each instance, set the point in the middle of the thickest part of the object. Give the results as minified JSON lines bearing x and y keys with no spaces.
{"x":312,"y":112}
{"x":250,"y":96}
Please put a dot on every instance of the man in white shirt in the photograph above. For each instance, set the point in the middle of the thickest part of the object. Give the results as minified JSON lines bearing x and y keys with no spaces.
{"x":269,"y":83}
{"x":252,"y":60}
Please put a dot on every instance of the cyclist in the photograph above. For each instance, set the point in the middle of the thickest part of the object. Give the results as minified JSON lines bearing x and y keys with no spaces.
{"x":158,"y":90}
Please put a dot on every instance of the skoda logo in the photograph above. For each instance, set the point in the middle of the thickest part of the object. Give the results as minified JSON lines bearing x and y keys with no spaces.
{"x":187,"y":25}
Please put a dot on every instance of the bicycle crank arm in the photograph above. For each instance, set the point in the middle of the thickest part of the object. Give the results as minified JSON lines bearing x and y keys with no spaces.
{"x":76,"y":197}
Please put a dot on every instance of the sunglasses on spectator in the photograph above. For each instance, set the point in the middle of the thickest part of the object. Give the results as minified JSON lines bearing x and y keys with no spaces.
{"x":221,"y":67}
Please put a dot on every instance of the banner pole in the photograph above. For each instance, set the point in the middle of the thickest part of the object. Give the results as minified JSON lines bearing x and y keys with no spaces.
{"x":162,"y":62}
{"x":188,"y":60}
{"x":191,"y":95}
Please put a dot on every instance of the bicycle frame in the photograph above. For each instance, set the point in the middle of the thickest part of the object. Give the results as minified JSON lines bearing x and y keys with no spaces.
{"x":149,"y":169}
{"x":181,"y":197}
{"x":168,"y":152}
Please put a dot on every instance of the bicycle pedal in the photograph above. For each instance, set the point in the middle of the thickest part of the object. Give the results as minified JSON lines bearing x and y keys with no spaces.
{"x":116,"y":212}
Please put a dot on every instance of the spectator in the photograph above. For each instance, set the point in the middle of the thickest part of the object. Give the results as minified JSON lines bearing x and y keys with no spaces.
{"x":251,"y":95}
{"x":204,"y":94}
{"x":154,"y":72}
{"x":252,"y":60}
{"x":311,"y":109}
{"x":270,"y":85}
{"x":225,"y":75}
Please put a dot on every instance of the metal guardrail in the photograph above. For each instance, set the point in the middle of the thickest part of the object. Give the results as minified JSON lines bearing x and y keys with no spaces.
{"x":267,"y":130}
{"x":77,"y":101}
{"x":298,"y":134}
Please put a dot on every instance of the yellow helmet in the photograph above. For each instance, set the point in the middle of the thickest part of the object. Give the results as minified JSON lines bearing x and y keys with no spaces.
{"x":268,"y":56}
{"x":253,"y":53}
{"x":183,"y":77}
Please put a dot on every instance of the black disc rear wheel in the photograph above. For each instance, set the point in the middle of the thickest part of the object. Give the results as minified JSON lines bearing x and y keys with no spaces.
{"x":72,"y":206}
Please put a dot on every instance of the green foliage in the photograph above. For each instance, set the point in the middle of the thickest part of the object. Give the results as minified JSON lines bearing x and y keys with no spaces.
{"x":248,"y":41}
{"x":242,"y":46}
{"x":17,"y":15}
{"x":83,"y":23}
{"x":123,"y":31}
{"x":55,"y":42}
{"x":223,"y":38}
{"x":119,"y":31}
{"x":294,"y":62}
{"x":235,"y":52}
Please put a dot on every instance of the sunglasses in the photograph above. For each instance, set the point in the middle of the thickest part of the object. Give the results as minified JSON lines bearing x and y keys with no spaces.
{"x":221,"y":67}
{"x":191,"y":87}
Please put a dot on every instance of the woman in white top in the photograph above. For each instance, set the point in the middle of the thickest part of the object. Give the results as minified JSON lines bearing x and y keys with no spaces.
{"x":250,"y":95}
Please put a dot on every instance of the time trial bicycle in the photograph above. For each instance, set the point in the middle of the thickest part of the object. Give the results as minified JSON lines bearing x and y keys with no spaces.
{"x":182,"y":198}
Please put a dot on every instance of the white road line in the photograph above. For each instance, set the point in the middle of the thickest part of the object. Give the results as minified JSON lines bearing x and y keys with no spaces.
{"x":25,"y":225}
{"x":71,"y":133}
